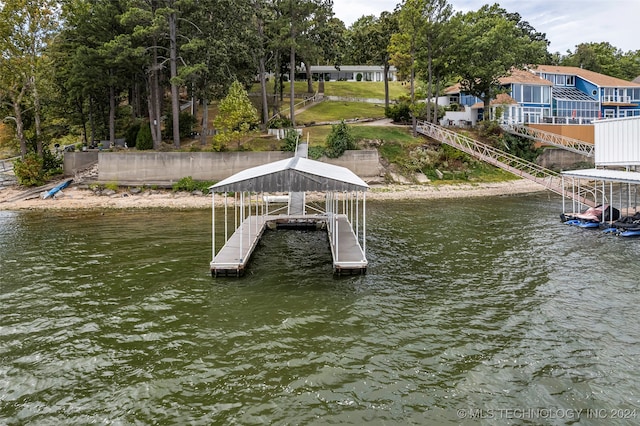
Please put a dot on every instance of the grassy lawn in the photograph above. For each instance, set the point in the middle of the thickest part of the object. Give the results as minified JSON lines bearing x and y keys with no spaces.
{"x":354,"y":89}
{"x":365,"y":89}
{"x":335,"y":111}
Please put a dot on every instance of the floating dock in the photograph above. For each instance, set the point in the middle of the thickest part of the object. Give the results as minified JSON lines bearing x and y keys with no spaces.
{"x":348,"y":256}
{"x":258,"y":204}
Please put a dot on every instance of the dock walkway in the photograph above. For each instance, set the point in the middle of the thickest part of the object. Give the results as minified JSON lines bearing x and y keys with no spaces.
{"x":233,"y":257}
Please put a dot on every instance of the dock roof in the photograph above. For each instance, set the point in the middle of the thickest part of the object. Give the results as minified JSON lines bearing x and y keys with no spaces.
{"x":605,"y":175}
{"x":292,"y":175}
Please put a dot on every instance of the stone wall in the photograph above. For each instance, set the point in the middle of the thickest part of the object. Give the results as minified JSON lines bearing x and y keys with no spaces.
{"x":561,"y":159}
{"x":166,"y":168}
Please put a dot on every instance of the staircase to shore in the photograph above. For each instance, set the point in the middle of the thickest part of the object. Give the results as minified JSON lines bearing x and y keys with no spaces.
{"x":549,"y":138}
{"x":509,"y":162}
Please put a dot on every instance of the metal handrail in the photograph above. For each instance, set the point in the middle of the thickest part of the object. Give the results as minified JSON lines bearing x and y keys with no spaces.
{"x":570,"y":144}
{"x":6,"y":165}
{"x":303,"y":102}
{"x":509,"y":162}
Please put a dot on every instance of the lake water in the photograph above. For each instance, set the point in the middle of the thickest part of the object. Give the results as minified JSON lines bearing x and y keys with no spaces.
{"x":480,"y":310}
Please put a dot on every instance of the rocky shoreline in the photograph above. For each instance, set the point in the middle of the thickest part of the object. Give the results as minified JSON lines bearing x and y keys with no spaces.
{"x":79,"y":197}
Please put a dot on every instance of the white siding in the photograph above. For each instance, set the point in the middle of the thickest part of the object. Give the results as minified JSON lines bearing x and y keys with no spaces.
{"x":617,"y":142}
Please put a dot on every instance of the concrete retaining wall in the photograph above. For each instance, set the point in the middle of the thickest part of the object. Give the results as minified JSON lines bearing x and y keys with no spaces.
{"x":74,"y":161}
{"x":560,"y":159}
{"x":169,"y":167}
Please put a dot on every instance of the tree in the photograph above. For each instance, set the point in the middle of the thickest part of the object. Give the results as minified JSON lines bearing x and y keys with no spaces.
{"x":339,"y":140}
{"x":487,"y":44}
{"x":218,"y":50}
{"x":432,"y":56}
{"x":236,"y":117}
{"x":368,"y":43}
{"x":25,"y":29}
{"x":405,"y":44}
{"x":605,"y":59}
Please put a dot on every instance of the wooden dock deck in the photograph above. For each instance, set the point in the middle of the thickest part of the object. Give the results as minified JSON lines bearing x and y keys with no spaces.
{"x":231,"y":260}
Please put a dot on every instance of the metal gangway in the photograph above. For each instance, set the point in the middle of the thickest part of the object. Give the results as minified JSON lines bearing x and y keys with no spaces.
{"x":564,"y":142}
{"x":509,"y":162}
{"x":7,"y":175}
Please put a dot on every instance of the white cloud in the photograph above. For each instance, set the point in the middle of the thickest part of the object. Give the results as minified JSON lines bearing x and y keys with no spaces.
{"x":565,"y":22}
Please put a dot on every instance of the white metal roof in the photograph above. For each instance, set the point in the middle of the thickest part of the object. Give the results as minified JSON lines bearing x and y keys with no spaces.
{"x":605,"y":175}
{"x":292,"y":175}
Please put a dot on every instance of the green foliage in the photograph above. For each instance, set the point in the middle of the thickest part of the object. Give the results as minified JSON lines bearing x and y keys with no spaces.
{"x":236,"y":117}
{"x":187,"y":121}
{"x":34,"y":170}
{"x":29,"y":171}
{"x":51,"y":163}
{"x":487,"y":44}
{"x":339,"y":140}
{"x":113,"y":186}
{"x":605,"y":59}
{"x":280,"y":123}
{"x":400,"y":112}
{"x":131,"y":134}
{"x":520,"y":147}
{"x":315,"y":152}
{"x":188,"y":184}
{"x":391,"y":151}
{"x":491,"y":131}
{"x":339,"y":110}
{"x":290,"y":140}
{"x":144,"y":141}
{"x":450,"y":155}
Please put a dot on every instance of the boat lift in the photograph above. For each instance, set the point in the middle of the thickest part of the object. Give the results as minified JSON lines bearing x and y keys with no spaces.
{"x":615,"y":188}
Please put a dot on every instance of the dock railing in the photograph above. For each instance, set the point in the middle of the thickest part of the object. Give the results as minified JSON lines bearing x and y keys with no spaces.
{"x":506,"y":161}
{"x":564,"y":142}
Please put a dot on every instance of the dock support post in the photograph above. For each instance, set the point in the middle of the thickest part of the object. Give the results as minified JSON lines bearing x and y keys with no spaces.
{"x":364,"y":224}
{"x":213,"y":226}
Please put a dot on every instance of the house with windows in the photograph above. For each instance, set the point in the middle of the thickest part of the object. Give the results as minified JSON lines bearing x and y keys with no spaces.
{"x":523,"y":98}
{"x":584,"y":94}
{"x":549,"y":94}
{"x":351,"y":73}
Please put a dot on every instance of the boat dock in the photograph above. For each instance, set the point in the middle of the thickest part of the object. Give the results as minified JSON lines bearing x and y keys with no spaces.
{"x":348,"y":256}
{"x":257,"y":204}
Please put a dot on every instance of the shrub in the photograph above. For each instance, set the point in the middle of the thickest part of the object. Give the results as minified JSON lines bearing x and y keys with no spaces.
{"x":113,"y":186}
{"x":189,"y":184}
{"x":143,"y":139}
{"x":290,"y":140}
{"x":399,"y":113}
{"x":187,"y":121}
{"x":315,"y":152}
{"x":280,"y":123}
{"x":131,"y":134}
{"x":51,"y":163}
{"x":29,"y":171}
{"x":339,"y":140}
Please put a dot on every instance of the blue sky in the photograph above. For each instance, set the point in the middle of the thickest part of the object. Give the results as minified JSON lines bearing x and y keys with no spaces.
{"x":566,"y":22}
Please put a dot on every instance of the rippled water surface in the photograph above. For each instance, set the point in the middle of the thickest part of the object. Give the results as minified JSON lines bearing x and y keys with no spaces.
{"x":470,"y":308}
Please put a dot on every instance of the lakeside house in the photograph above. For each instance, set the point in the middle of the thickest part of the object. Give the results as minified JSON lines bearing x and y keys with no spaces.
{"x":351,"y":72}
{"x":548,"y":94}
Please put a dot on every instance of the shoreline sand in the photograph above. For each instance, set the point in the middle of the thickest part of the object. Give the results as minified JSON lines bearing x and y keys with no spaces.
{"x":79,"y":198}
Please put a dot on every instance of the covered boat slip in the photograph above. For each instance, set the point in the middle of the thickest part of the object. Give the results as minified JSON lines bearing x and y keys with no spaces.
{"x":274,"y":196}
{"x":612,"y":193}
